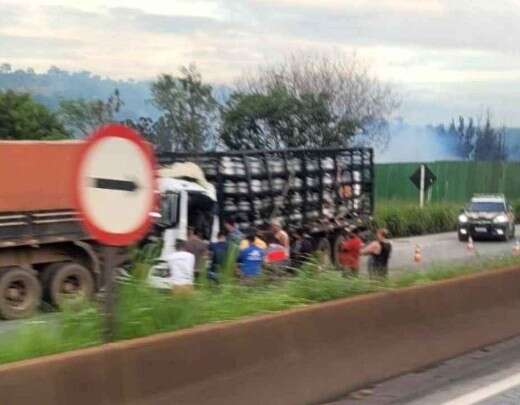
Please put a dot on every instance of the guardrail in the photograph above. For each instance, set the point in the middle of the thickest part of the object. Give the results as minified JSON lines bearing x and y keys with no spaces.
{"x":301,"y":356}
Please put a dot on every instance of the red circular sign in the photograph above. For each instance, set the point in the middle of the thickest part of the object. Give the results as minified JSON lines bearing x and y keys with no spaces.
{"x":114,"y":189}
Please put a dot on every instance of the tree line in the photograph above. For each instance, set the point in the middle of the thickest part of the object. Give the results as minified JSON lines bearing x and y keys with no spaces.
{"x":472,"y":139}
{"x":303,"y":101}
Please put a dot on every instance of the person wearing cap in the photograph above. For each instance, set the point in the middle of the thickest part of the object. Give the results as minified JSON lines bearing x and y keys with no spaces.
{"x":379,"y":252}
{"x":350,"y":251}
{"x":281,"y":235}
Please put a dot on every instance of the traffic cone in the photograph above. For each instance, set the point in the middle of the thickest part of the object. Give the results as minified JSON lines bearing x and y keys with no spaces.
{"x":417,"y":254}
{"x":516,"y":248}
{"x":470,"y":246}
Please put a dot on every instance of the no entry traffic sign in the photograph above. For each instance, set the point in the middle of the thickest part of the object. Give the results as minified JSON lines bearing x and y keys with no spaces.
{"x":115,"y":185}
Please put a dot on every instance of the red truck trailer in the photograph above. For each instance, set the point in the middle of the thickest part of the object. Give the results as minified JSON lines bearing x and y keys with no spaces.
{"x":44,"y":251}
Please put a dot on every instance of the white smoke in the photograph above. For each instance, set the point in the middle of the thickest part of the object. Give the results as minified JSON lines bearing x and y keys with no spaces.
{"x":410,"y":143}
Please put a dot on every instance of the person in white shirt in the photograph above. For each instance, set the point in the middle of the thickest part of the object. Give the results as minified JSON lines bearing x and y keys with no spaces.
{"x":181,"y":270}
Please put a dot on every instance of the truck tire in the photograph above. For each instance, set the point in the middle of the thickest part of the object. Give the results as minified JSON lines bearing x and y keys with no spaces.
{"x":324,"y":252}
{"x":20,"y":293}
{"x":70,"y":281}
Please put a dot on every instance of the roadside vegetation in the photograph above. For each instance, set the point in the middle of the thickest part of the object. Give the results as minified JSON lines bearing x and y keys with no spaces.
{"x":143,"y":311}
{"x":407,"y":219}
{"x":404,"y":218}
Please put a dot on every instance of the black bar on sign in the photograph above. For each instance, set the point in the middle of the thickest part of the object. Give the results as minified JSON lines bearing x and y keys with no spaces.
{"x":113,"y":184}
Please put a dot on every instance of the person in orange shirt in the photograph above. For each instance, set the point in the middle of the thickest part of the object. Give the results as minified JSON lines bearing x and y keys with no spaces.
{"x":350,"y":251}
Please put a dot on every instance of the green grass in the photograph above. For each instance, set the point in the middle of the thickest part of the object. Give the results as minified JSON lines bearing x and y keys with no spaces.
{"x":407,"y":219}
{"x":74,"y":328}
{"x":143,"y":311}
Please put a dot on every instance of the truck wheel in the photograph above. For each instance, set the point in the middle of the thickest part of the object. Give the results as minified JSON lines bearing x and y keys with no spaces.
{"x":70,"y":281}
{"x":324,"y":252}
{"x":20,"y":293}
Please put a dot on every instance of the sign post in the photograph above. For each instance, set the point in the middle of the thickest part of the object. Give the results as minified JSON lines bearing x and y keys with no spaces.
{"x":421,"y":191}
{"x":423,"y":178}
{"x":114,"y":193}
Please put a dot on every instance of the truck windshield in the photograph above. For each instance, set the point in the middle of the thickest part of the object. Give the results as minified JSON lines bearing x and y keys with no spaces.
{"x":487,"y":207}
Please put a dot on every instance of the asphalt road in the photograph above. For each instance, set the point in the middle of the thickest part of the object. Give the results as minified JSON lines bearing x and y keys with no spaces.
{"x":489,"y":376}
{"x":443,"y":247}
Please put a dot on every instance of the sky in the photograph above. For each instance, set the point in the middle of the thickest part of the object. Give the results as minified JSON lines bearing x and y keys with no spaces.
{"x":445,"y":57}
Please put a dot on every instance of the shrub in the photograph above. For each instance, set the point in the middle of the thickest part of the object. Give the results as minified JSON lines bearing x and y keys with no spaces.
{"x":405,"y":219}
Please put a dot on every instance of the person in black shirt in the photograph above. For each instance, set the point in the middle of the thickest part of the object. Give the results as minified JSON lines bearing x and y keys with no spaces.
{"x":218,"y":252}
{"x":301,"y":249}
{"x":379,"y":252}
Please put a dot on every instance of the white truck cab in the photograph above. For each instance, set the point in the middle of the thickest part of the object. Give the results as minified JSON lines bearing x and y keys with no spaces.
{"x":186,"y":200}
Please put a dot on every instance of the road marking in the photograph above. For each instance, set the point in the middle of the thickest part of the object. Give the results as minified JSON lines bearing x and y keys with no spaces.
{"x":486,"y":392}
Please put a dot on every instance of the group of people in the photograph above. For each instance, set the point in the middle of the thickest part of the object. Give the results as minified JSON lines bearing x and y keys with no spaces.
{"x":270,"y":248}
{"x":378,"y":251}
{"x":191,"y":256}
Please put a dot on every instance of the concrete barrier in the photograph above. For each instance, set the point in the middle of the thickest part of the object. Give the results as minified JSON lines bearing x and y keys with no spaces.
{"x":302,"y":356}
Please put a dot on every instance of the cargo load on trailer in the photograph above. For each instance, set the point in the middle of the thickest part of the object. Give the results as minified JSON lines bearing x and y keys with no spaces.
{"x":312,"y":188}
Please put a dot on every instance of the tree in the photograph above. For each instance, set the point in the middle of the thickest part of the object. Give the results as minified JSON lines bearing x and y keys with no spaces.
{"x":188,"y":109}
{"x":473,"y":142}
{"x":23,"y":118}
{"x":353,"y":103}
{"x":490,"y":142}
{"x":468,"y":141}
{"x":82,"y":116}
{"x":277,"y":120}
{"x":155,"y":132}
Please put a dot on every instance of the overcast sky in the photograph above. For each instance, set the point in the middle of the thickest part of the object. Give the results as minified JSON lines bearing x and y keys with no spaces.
{"x":445,"y":56}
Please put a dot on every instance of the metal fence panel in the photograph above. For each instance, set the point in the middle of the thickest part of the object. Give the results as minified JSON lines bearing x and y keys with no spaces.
{"x":456,"y":181}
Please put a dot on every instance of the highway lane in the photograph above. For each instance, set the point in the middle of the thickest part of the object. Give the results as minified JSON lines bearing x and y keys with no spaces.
{"x":442,"y":248}
{"x":489,"y":376}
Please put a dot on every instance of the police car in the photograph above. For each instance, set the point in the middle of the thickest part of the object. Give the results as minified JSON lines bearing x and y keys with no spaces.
{"x":487,"y":216}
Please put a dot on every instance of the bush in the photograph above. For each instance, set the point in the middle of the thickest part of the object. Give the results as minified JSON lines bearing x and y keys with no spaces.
{"x":516,"y":210}
{"x":405,"y":219}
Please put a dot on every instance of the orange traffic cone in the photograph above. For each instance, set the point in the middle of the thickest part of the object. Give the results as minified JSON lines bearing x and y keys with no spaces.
{"x":470,"y":246}
{"x":417,"y":254}
{"x":516,"y":248}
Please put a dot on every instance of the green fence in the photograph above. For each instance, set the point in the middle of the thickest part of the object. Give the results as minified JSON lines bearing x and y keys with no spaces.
{"x":456,"y":181}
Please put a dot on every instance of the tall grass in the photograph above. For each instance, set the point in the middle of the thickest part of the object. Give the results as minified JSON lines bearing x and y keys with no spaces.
{"x":143,"y":311}
{"x":73,"y":328}
{"x":406,"y":219}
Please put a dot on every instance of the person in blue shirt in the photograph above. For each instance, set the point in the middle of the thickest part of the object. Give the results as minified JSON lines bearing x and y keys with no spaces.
{"x":218,"y":251}
{"x":250,"y":259}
